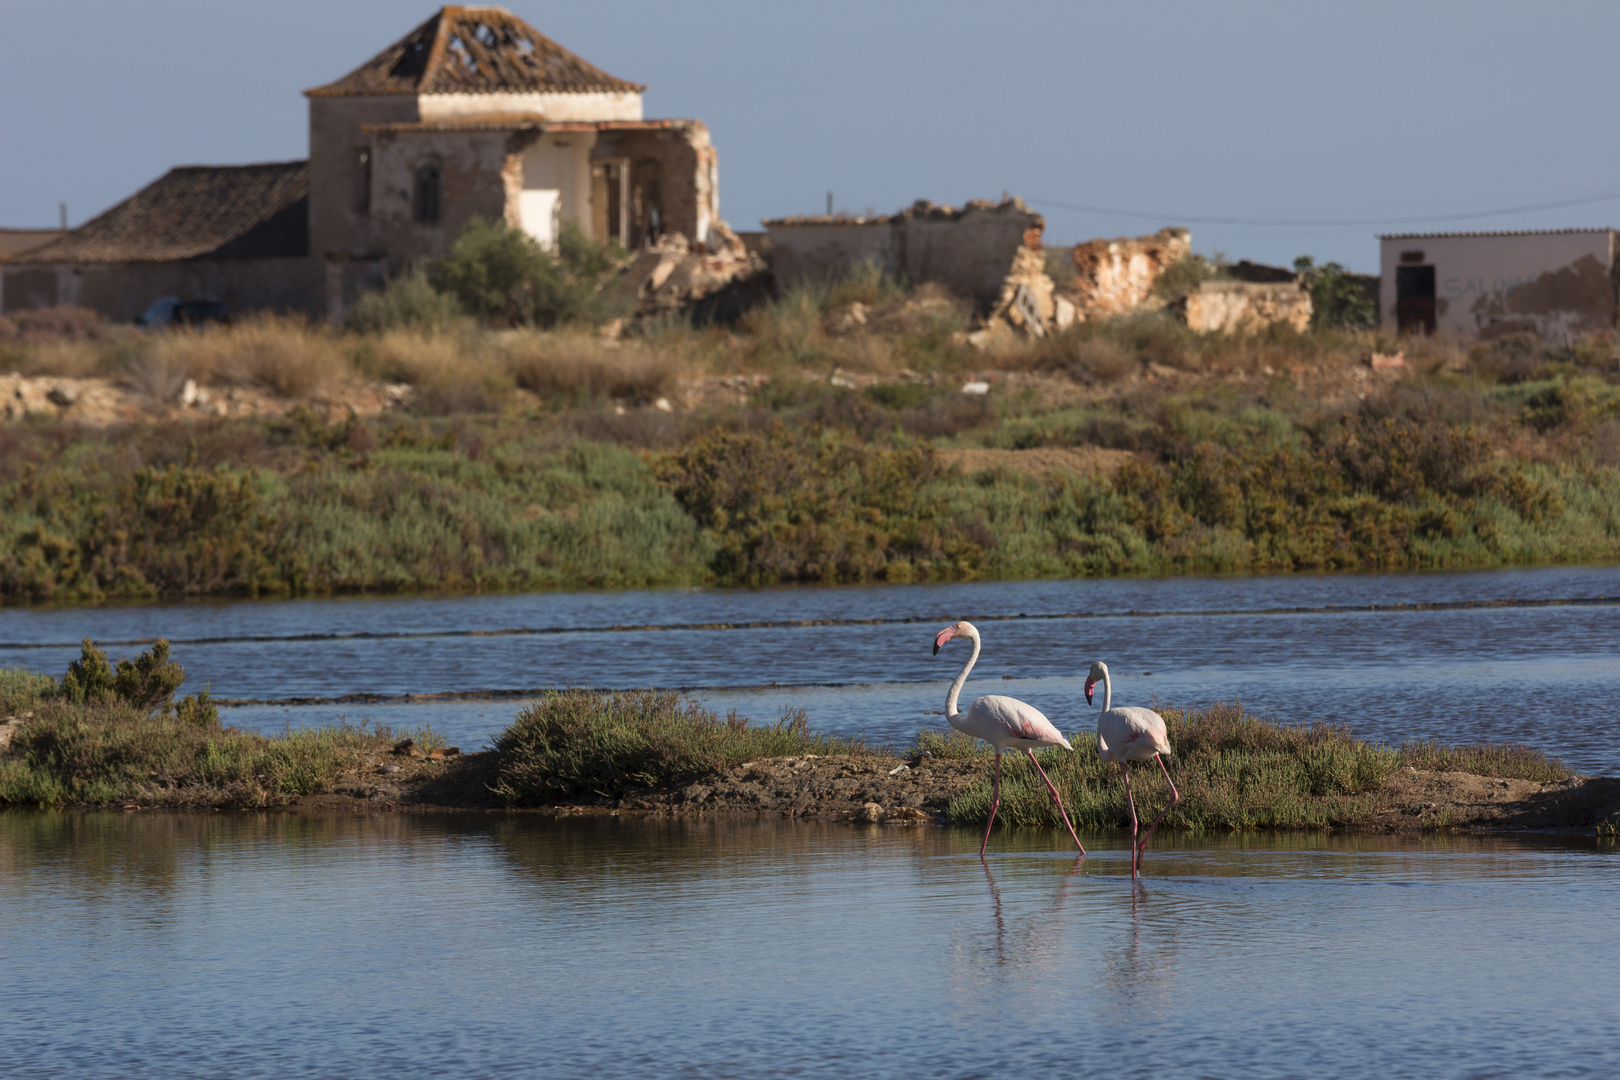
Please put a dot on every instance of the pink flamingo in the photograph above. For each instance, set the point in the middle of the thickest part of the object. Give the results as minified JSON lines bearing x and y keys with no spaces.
{"x":1004,"y":723}
{"x":1131,"y":734}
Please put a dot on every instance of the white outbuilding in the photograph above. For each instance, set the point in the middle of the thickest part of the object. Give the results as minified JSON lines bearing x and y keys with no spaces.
{"x":1558,"y":283}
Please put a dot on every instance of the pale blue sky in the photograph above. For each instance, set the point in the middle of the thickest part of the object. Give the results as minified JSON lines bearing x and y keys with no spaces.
{"x":1253,"y":110}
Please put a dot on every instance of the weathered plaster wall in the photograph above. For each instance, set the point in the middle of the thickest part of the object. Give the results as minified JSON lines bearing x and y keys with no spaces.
{"x":1244,"y":306}
{"x":476,"y":169}
{"x":120,"y":292}
{"x":807,"y":251}
{"x":555,"y":107}
{"x":969,"y":251}
{"x":336,"y":227}
{"x":556,"y":184}
{"x":1556,"y":284}
{"x":1114,"y":277}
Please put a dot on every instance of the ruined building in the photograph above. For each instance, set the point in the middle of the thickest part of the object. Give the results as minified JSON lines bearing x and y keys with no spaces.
{"x":988,"y":253}
{"x":473,"y":113}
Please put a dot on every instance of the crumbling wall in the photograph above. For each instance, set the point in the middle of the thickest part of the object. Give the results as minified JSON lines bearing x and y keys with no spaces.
{"x":1116,"y":277}
{"x":685,"y":168}
{"x":1244,"y":306}
{"x":121,"y":292}
{"x":674,"y":274}
{"x":987,"y":253}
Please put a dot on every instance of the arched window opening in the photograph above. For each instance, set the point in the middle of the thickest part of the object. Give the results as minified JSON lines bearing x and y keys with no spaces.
{"x":427,"y":194}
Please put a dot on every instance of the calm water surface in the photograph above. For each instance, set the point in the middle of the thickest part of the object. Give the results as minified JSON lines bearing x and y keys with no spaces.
{"x":1537,"y":670}
{"x":189,"y":945}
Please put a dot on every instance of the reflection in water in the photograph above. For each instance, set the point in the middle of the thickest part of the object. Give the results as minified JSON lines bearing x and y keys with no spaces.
{"x":163,"y":945}
{"x":1033,"y":938}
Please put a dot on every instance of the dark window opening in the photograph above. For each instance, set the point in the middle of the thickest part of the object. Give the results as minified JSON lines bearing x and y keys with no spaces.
{"x":1414,"y":299}
{"x":362,"y":180}
{"x":427,"y":195}
{"x":1411,"y":256}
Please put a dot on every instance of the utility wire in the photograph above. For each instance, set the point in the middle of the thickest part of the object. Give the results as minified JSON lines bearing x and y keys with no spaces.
{"x":1195,"y":219}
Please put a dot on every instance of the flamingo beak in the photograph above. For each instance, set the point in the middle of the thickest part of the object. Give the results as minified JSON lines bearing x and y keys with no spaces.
{"x":942,"y":637}
{"x":1089,"y":684}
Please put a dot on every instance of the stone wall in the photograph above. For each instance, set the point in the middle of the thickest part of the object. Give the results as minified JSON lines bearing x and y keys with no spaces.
{"x":1244,"y":307}
{"x":121,"y":292}
{"x":1116,"y":277}
{"x":970,"y":251}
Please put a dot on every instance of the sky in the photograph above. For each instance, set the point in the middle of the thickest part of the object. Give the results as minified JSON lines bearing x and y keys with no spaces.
{"x":1251,"y":123}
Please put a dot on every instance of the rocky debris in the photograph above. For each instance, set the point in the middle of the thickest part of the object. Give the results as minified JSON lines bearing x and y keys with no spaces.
{"x":847,"y":318}
{"x":1116,"y":277}
{"x":91,"y":400}
{"x":676,"y":274}
{"x":867,"y":788}
{"x":1243,"y":306}
{"x":101,"y":401}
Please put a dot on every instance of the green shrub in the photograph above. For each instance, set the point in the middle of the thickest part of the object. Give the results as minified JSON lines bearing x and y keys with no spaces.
{"x":580,"y":743}
{"x":21,"y":690}
{"x":1338,"y":301}
{"x":503,"y":276}
{"x":407,"y":302}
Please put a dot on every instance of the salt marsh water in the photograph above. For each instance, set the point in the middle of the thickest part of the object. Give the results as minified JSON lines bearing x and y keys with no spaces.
{"x":181,"y":945}
{"x":1517,"y":655}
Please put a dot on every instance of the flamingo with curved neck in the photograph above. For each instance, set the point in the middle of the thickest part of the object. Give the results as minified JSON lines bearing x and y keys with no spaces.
{"x":1126,"y":734}
{"x":1003,"y":722}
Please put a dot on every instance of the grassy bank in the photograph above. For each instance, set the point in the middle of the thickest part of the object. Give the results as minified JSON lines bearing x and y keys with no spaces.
{"x":116,"y":735}
{"x":105,"y":735}
{"x":1235,"y":771}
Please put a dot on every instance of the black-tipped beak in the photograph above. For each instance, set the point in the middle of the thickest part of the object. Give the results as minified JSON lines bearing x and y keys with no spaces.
{"x":1088,"y":697}
{"x":936,"y":648}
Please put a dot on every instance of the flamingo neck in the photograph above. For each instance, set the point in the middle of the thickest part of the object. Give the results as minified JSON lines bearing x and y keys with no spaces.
{"x":1108,"y":691}
{"x":961,"y":678}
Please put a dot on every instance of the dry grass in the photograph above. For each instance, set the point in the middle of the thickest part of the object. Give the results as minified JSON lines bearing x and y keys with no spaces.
{"x":65,"y":358}
{"x":285,"y":355}
{"x":575,"y":366}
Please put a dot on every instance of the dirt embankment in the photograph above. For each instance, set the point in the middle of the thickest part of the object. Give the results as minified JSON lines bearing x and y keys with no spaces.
{"x":879,"y":789}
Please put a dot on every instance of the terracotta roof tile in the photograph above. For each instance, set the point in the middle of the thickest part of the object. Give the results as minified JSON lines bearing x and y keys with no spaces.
{"x":218,"y":211}
{"x":474,"y":50}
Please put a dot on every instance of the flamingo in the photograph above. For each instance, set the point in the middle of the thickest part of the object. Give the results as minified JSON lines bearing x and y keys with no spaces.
{"x":1005,"y":723}
{"x":1131,"y":734}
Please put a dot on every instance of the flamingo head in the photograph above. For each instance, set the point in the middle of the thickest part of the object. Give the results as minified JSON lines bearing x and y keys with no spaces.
{"x":1099,"y":672}
{"x":963,"y":628}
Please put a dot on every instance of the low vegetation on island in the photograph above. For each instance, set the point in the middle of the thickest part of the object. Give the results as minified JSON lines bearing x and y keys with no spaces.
{"x":520,"y":448}
{"x":105,"y":735}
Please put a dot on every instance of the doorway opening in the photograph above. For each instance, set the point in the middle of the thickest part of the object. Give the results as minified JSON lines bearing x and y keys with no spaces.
{"x":1414,"y":299}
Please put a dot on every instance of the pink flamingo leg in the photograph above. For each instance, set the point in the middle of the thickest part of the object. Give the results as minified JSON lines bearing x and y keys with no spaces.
{"x":1126,"y":773}
{"x":1055,"y":798}
{"x":995,"y":804}
{"x":1175,"y":797}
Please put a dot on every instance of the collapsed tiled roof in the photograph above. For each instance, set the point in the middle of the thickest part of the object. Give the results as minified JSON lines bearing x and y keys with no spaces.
{"x":195,"y":211}
{"x":474,"y":50}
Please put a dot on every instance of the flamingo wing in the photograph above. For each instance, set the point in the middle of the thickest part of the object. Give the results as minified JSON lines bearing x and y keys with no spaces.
{"x":999,"y":720}
{"x":1131,"y":733}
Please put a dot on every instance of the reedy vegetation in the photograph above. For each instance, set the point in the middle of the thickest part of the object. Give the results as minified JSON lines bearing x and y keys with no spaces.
{"x":105,"y":735}
{"x":529,"y":458}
